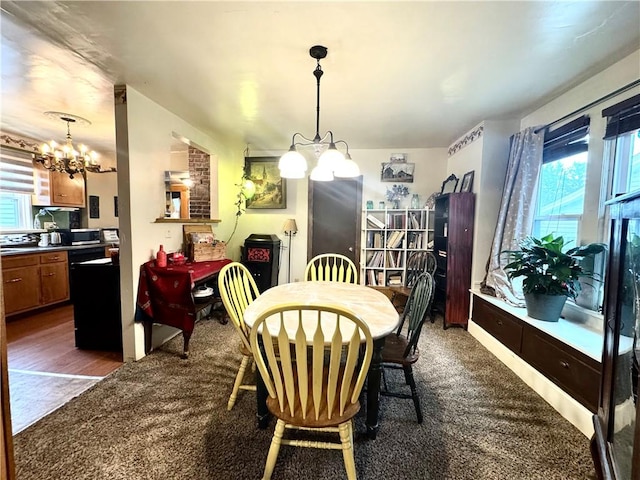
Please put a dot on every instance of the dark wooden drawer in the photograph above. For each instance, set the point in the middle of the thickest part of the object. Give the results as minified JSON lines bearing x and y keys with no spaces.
{"x":572,"y":371}
{"x":498,"y":323}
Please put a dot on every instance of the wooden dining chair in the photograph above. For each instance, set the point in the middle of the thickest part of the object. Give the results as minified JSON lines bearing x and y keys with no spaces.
{"x":315,"y":380}
{"x":331,"y":267}
{"x":237,"y":290}
{"x":401,"y":347}
{"x":417,"y":264}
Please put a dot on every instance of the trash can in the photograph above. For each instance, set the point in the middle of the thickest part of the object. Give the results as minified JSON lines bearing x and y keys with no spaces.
{"x":261,"y":255}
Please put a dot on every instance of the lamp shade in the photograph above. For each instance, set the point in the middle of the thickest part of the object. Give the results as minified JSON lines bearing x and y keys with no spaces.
{"x":321,"y":174}
{"x":347,"y":169}
{"x":290,"y":226}
{"x":292,"y":165}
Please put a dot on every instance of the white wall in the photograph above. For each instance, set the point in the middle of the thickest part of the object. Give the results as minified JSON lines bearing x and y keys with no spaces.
{"x":618,"y":75}
{"x":105,"y":187}
{"x":487,"y":157}
{"x":430,"y":171}
{"x":144,"y":136}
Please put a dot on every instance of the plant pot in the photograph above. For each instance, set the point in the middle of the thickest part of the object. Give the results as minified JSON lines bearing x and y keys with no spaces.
{"x":544,"y":307}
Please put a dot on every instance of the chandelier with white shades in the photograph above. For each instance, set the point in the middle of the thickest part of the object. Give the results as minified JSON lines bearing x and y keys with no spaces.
{"x":331,"y":162}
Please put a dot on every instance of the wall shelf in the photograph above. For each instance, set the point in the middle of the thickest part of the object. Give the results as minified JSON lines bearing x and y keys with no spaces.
{"x":187,"y":220}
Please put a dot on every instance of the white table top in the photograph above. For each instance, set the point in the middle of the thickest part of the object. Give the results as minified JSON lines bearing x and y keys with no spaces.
{"x":372,"y":306}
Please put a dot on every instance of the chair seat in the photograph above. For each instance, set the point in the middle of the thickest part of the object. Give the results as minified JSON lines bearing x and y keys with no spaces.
{"x":401,"y":290}
{"x":310,"y":421}
{"x":394,"y":348}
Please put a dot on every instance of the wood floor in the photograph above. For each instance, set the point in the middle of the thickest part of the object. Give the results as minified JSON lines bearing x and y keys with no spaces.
{"x":45,"y":342}
{"x":46,"y":370}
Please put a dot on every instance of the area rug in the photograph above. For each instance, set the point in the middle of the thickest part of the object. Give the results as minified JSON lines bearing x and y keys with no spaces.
{"x":36,"y":394}
{"x":166,"y":418}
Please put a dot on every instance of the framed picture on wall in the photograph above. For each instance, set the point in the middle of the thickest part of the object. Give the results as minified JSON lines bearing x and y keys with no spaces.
{"x":467,"y":182}
{"x":397,"y":172}
{"x":271,"y":188}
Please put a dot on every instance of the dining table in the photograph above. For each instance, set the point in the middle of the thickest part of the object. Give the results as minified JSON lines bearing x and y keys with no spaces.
{"x":372,"y":306}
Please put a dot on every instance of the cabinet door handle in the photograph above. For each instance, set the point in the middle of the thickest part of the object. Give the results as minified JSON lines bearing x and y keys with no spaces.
{"x":499,"y":322}
{"x":14,"y":280}
{"x":53,"y":258}
{"x":62,"y":194}
{"x":49,"y":274}
{"x":564,"y":364}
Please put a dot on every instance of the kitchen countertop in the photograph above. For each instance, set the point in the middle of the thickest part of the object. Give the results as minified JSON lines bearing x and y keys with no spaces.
{"x":11,"y":251}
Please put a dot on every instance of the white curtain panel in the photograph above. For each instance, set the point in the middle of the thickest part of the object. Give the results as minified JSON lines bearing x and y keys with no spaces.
{"x":517,"y":210}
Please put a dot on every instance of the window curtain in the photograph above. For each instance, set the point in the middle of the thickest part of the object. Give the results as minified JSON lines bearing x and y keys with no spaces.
{"x":515,"y":217}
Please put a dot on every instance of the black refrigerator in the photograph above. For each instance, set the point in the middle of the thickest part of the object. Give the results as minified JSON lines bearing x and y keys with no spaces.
{"x":95,"y":294}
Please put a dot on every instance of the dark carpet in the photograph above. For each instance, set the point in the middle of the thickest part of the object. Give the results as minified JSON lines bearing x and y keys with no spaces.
{"x":166,"y":418}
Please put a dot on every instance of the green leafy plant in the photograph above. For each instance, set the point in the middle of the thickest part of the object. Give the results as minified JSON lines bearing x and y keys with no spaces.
{"x":546,"y":269}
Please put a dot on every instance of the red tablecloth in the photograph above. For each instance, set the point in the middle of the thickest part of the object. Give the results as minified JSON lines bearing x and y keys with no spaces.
{"x":164,"y":293}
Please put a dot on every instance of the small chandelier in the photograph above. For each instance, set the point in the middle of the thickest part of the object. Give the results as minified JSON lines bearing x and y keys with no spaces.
{"x":331,"y":162}
{"x":65,"y":158}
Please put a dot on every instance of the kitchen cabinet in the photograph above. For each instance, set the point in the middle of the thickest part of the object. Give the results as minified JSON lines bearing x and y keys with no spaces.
{"x":616,"y":444}
{"x":58,"y":189}
{"x":33,"y":281}
{"x":21,"y":283}
{"x":54,"y":277}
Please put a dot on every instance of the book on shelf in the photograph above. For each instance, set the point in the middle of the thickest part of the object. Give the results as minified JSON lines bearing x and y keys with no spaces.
{"x":376,"y":222}
{"x":395,"y":239}
{"x":377,"y":240}
{"x":393,"y":280}
{"x":415,"y":224}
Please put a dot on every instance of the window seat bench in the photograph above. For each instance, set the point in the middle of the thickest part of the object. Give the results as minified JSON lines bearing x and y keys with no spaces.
{"x":560,"y":360}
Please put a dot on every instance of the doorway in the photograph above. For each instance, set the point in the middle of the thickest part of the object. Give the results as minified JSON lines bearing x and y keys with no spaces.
{"x":334,"y":218}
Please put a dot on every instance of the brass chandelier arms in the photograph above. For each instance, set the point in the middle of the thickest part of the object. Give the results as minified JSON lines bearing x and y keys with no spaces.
{"x":66,"y":158}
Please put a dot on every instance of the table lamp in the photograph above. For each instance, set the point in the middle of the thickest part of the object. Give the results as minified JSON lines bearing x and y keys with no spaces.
{"x":290,"y":229}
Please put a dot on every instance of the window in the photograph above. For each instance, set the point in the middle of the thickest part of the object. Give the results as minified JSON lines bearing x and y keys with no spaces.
{"x":623,"y":143}
{"x":16,"y":188}
{"x":561,"y":186}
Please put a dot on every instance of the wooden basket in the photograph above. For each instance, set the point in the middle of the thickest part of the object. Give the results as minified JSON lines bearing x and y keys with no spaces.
{"x":202,"y":252}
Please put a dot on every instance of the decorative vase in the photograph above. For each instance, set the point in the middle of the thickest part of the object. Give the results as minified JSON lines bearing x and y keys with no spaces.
{"x":544,"y":307}
{"x":395,"y":204}
{"x":415,"y":201}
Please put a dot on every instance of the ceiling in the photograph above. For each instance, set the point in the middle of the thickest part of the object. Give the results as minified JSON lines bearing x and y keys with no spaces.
{"x":398,"y":74}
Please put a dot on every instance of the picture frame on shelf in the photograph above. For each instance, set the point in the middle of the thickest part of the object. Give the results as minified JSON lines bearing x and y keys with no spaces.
{"x":449,"y":185}
{"x":398,"y":172}
{"x":271,"y":188}
{"x":467,"y":182}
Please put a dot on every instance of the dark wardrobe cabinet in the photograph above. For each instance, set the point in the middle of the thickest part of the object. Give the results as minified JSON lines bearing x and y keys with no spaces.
{"x":615,"y":446}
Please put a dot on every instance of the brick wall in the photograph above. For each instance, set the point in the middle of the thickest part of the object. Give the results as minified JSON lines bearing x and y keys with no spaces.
{"x":199,"y":171}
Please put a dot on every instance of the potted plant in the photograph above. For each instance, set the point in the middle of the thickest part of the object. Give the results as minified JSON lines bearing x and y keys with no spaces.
{"x":549,"y":274}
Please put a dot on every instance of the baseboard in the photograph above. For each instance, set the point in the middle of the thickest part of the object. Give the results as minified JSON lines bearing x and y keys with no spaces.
{"x":567,"y":406}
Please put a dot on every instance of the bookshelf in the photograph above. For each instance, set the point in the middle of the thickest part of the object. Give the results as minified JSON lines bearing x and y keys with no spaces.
{"x":389,"y":237}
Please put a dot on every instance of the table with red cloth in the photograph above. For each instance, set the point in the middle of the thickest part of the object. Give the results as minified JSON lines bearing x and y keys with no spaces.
{"x":165,"y":295}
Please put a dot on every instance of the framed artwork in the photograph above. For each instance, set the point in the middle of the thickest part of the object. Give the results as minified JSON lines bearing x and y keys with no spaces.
{"x":467,"y":182}
{"x":94,"y":206}
{"x":271,"y":188}
{"x":397,"y":172}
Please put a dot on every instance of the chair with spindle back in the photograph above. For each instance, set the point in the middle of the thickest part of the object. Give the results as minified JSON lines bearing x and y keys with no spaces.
{"x":314,"y":360}
{"x":237,"y":290}
{"x":331,"y":267}
{"x":417,"y":264}
{"x":401,"y":347}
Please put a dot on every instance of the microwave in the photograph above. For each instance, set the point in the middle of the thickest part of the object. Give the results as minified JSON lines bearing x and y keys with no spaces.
{"x":82,"y":236}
